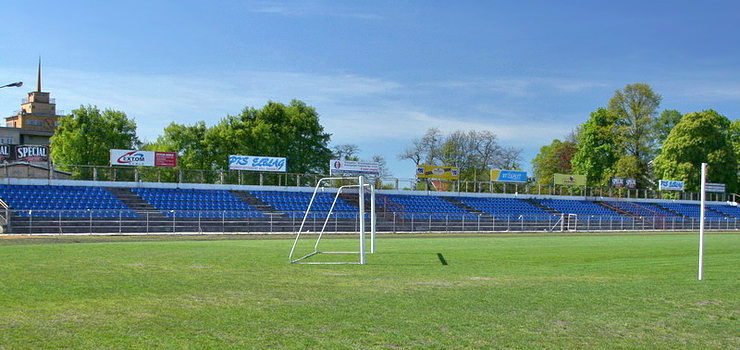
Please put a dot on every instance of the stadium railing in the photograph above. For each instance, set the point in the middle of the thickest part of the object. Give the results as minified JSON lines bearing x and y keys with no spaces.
{"x":107,"y":221}
{"x":237,"y":177}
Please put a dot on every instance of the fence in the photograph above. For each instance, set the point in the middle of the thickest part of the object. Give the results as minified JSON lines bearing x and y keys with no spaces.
{"x":240,"y":222}
{"x":239,"y":177}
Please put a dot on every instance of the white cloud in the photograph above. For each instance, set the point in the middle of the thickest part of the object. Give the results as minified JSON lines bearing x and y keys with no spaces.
{"x":308,"y":9}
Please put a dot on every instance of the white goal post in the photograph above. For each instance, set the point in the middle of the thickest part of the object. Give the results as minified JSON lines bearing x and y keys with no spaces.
{"x":362,"y":186}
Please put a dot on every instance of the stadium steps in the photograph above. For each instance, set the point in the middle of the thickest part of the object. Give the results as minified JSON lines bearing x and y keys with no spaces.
{"x":618,"y":210}
{"x":671,"y":211}
{"x":132,"y":200}
{"x":539,"y":205}
{"x":470,"y":209}
{"x":254,"y":201}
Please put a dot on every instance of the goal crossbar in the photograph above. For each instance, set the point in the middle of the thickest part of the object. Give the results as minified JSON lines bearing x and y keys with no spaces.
{"x":362,"y":187}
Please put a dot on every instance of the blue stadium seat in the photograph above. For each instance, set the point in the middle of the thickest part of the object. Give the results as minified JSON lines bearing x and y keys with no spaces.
{"x":63,"y":201}
{"x":192,"y":203}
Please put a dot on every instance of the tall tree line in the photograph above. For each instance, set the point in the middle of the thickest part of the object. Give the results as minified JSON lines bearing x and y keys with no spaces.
{"x":473,"y":151}
{"x":628,"y":138}
{"x":292,"y":131}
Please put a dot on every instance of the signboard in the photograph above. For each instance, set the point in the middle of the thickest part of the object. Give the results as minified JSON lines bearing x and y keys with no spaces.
{"x":337,"y":166}
{"x":24,"y":153}
{"x":670,"y":185}
{"x":714,"y":187}
{"x":509,"y":176}
{"x":437,"y":172}
{"x":142,"y":158}
{"x":621,"y":182}
{"x":165,"y":159}
{"x":568,"y":179}
{"x":258,"y":163}
{"x":31,"y":153}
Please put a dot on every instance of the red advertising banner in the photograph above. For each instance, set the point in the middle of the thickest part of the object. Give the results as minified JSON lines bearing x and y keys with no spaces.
{"x":165,"y":159}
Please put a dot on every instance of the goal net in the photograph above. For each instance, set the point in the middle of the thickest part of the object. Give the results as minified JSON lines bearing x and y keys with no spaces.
{"x":308,"y":245}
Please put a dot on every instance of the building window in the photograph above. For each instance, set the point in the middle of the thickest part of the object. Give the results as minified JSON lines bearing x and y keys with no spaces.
{"x":34,"y":122}
{"x":10,"y":125}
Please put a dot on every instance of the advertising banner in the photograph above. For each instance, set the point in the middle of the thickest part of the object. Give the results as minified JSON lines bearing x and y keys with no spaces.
{"x":714,"y":187}
{"x":6,"y":153}
{"x":670,"y":185}
{"x":24,"y":153}
{"x":165,"y":159}
{"x":337,"y":166}
{"x":621,"y":182}
{"x":142,"y":158}
{"x":568,"y":179}
{"x":31,"y":153}
{"x":437,"y":172}
{"x":508,"y":176}
{"x":258,"y":163}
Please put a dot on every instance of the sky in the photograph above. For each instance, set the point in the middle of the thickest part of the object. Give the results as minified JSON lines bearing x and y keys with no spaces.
{"x":379,"y":73}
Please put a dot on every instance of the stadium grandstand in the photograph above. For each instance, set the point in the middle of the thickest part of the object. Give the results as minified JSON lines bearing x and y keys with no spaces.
{"x":83,"y":207}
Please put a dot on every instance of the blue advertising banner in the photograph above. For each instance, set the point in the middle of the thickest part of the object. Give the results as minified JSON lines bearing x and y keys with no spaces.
{"x":509,"y":176}
{"x":258,"y":163}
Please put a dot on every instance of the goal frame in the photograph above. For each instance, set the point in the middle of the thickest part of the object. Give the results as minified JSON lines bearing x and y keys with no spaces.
{"x":362,"y":186}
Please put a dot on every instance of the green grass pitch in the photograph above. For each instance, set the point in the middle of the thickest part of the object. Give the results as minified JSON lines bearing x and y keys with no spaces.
{"x":628,"y":291}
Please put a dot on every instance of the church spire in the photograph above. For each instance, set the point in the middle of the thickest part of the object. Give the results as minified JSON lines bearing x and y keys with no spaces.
{"x":38,"y":82}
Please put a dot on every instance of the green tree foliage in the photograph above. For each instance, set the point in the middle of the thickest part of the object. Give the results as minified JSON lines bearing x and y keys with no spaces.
{"x":665,"y":123}
{"x":597,"y":147}
{"x":87,"y":135}
{"x":700,"y":137}
{"x":635,"y":108}
{"x":735,"y":137}
{"x":189,"y":141}
{"x":553,"y":158}
{"x":292,"y":131}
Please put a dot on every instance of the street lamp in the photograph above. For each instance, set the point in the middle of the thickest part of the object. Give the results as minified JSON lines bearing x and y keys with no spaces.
{"x":16,"y":84}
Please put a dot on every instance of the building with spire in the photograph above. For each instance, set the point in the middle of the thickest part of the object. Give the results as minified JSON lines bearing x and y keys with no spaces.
{"x":35,"y":122}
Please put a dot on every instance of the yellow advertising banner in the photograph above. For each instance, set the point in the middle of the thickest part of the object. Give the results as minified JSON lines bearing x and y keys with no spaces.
{"x":568,"y":179}
{"x":437,"y":172}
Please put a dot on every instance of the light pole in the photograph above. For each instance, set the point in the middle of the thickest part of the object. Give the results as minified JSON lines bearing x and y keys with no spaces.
{"x":16,"y":84}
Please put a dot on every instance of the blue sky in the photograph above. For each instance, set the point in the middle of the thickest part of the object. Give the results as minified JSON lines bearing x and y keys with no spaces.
{"x":379,"y":72}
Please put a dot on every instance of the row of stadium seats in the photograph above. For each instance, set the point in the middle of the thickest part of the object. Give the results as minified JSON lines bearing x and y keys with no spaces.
{"x":74,"y":201}
{"x":294,"y":204}
{"x":63,"y":201}
{"x":197,"y":203}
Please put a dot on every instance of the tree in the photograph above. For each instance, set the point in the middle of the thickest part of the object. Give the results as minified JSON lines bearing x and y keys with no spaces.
{"x":86,"y":137}
{"x":384,"y":171}
{"x":734,"y":135}
{"x":425,"y":150}
{"x":553,"y":158}
{"x":700,"y":137}
{"x":665,"y":123}
{"x":189,"y":142}
{"x":635,"y":108}
{"x":597,"y":148}
{"x":292,"y":131}
{"x":346,"y":151}
{"x":472,"y":150}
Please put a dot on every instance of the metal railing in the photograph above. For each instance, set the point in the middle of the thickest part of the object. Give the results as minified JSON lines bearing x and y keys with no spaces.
{"x":239,"y":177}
{"x":106,"y":221}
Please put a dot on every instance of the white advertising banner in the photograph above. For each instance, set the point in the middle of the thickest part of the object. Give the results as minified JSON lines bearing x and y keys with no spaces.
{"x":258,"y":163}
{"x":670,"y":185}
{"x":337,"y":166}
{"x":131,"y":157}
